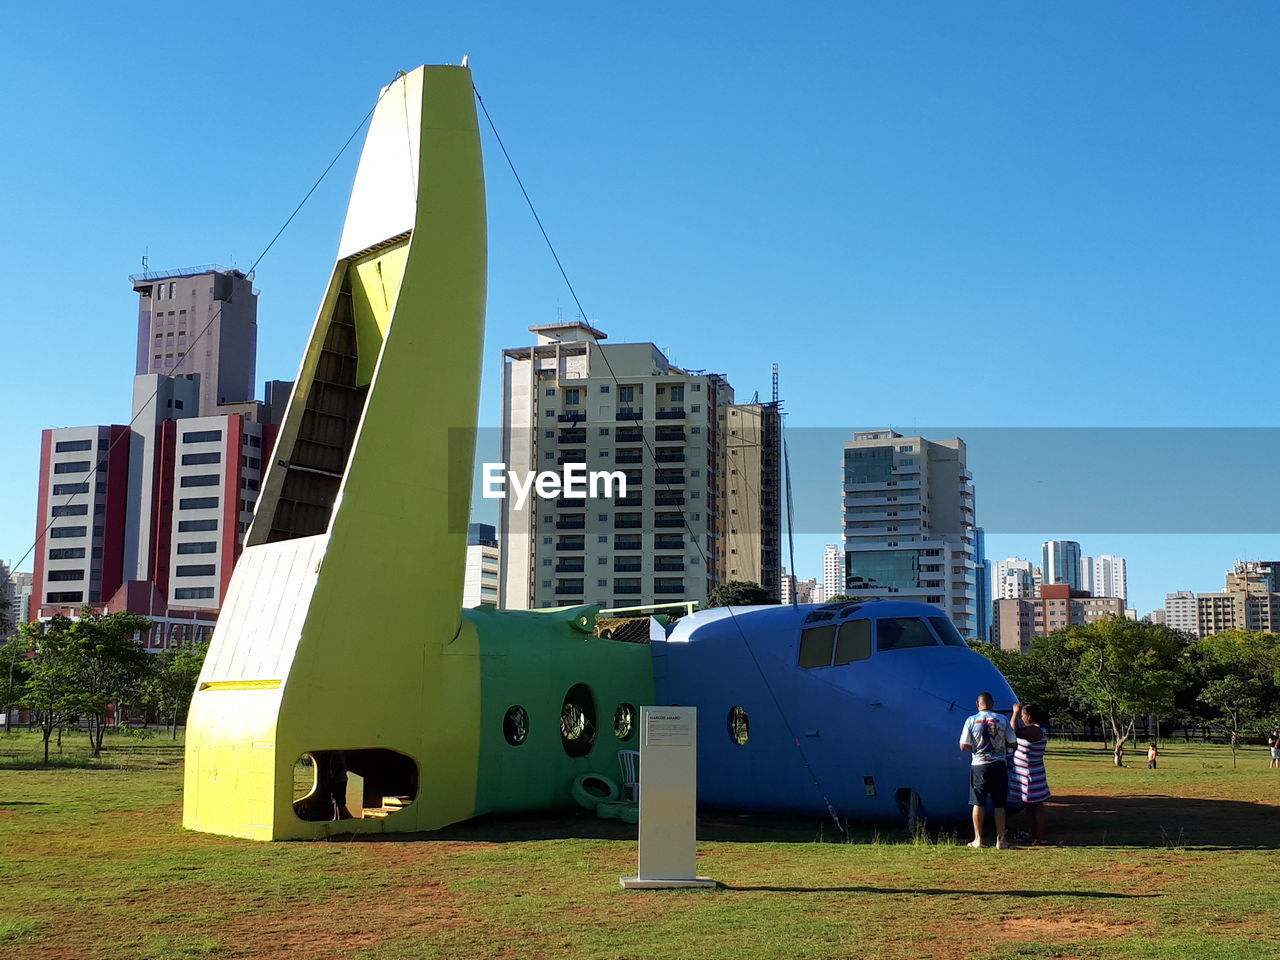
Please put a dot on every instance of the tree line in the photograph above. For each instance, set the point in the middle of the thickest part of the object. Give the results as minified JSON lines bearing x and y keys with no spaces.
{"x":72,"y":672}
{"x":1123,"y":672}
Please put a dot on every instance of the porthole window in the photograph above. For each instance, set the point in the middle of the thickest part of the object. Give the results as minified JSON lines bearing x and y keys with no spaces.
{"x":739,"y":728}
{"x":578,"y":721}
{"x":515,"y":725}
{"x":624,"y":719}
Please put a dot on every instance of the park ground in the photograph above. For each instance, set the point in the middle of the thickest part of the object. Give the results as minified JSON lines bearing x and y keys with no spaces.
{"x":1181,"y":862}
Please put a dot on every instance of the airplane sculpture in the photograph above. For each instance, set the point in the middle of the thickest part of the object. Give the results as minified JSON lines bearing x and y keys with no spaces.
{"x":341,"y":643}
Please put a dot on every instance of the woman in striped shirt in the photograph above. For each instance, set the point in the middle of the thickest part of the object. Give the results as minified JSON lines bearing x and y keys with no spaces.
{"x":1027,"y":780}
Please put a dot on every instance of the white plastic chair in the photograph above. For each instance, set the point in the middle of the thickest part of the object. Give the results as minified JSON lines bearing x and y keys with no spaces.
{"x":629,"y":760}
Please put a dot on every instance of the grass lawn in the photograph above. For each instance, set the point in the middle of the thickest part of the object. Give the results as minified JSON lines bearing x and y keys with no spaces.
{"x":1181,"y":862}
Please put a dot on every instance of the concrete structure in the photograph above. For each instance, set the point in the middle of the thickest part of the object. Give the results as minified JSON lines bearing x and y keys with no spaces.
{"x":1105,"y":576}
{"x":833,"y":583}
{"x":199,"y":322}
{"x":1014,"y":579}
{"x":801,"y":591}
{"x":1060,"y":562}
{"x":908,"y":523}
{"x":569,"y":398}
{"x":15,"y":587}
{"x":1017,"y":621}
{"x":1182,"y":612}
{"x":753,"y":512}
{"x":1157,"y":617}
{"x":484,"y":566}
{"x":1248,"y":602}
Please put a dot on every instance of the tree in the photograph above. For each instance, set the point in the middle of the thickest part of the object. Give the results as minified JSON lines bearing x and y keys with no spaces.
{"x":739,"y":593}
{"x":1236,"y":700}
{"x":1127,"y":668}
{"x":13,"y":677}
{"x":80,"y":667}
{"x":177,"y":669}
{"x":841,"y":598}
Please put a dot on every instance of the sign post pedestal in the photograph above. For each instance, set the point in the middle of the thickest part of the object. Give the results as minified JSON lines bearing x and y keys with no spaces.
{"x":668,"y":801}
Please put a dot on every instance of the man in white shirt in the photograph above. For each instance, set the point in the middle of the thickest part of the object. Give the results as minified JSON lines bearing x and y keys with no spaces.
{"x":988,"y":737}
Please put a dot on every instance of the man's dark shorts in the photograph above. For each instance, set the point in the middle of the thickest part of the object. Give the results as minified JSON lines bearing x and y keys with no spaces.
{"x":989,"y":781}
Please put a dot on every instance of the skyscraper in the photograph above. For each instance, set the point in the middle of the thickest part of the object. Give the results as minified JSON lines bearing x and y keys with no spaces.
{"x":150,"y":517}
{"x":1110,"y":577}
{"x":908,"y":523}
{"x":701,"y":503}
{"x":832,"y":571}
{"x":200,"y":321}
{"x":1014,"y":579}
{"x":1061,"y":563}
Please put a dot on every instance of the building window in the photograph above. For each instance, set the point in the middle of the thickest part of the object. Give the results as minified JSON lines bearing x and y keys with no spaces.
{"x":193,"y":593}
{"x":59,"y":489}
{"x":551,"y":391}
{"x":71,"y":446}
{"x":604,"y":388}
{"x":60,"y":532}
{"x":66,"y":553}
{"x":204,"y":546}
{"x":696,"y":408}
{"x":551,"y":413}
{"x":626,"y":394}
{"x":73,"y":466}
{"x":76,"y":596}
{"x":546,"y":562}
{"x":195,"y":526}
{"x":198,"y":503}
{"x":201,"y":436}
{"x":201,"y":480}
{"x":64,"y":575}
{"x":190,"y":458}
{"x":197,"y":570}
{"x":72,"y":510}
{"x":602,"y":583}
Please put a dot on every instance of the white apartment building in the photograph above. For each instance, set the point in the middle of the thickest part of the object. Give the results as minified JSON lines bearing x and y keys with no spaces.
{"x":1014,"y":579}
{"x":908,"y":523}
{"x":1105,"y":576}
{"x":832,"y":571}
{"x":691,"y":511}
{"x":484,"y":567}
{"x":1182,"y":612}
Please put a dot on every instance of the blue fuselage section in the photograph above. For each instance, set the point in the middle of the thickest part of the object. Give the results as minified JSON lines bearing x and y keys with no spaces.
{"x":854,"y":705}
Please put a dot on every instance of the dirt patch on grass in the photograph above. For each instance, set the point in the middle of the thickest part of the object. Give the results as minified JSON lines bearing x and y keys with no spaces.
{"x":1064,"y":926}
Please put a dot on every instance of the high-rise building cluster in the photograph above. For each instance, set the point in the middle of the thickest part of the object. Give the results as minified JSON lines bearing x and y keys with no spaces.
{"x":149,"y":516}
{"x":1066,"y":588}
{"x":1250,"y":600}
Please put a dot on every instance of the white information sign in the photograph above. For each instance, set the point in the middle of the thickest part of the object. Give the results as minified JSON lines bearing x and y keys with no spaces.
{"x":668,"y":800}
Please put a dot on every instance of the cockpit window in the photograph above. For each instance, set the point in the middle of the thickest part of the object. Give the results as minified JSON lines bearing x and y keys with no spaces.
{"x":854,"y":641}
{"x":816,"y":644}
{"x":898,"y":633}
{"x":947,"y":632}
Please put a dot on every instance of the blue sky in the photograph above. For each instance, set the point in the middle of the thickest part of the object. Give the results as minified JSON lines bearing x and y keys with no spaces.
{"x":995,"y":215}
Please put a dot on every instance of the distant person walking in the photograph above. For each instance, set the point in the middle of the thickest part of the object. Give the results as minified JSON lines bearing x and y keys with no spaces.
{"x":1153,"y":755}
{"x":1027,"y":780}
{"x":1273,"y":742}
{"x":988,"y":737}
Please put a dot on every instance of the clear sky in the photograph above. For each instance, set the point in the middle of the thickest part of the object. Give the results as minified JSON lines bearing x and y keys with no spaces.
{"x":988,"y":215}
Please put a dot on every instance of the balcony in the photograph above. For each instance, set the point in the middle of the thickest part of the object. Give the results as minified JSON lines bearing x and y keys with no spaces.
{"x":627,"y":565}
{"x":570,"y":591}
{"x":628,"y":502}
{"x":628,"y":435}
{"x":573,"y":456}
{"x":668,"y":434}
{"x":626,"y":590}
{"x":577,"y":503}
{"x":630,"y":413}
{"x":621,"y":457}
{"x":573,"y":436}
{"x":572,"y":523}
{"x":669,"y":499}
{"x":571,"y":545}
{"x":626,"y":543}
{"x":573,"y":416}
{"x":628,"y":523}
{"x":662,"y":564}
{"x":668,"y":543}
{"x":675,"y":479}
{"x":571,"y":566}
{"x":666,"y":520}
{"x":668,"y":588}
{"x":669,"y":457}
